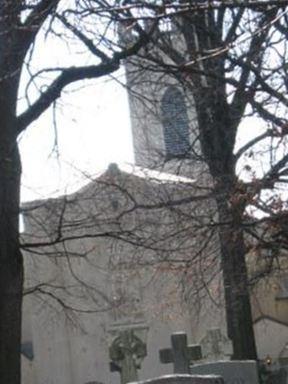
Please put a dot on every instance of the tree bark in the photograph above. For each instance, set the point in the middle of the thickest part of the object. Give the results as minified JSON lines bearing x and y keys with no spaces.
{"x":12,"y":54}
{"x":11,"y":270}
{"x":217,"y":136}
{"x":11,"y":263}
{"x":235,"y":277}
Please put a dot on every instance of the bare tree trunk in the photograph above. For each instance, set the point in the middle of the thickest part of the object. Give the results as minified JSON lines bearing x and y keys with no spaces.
{"x":11,"y":263}
{"x":11,"y":270}
{"x":217,"y":135}
{"x":235,"y":276}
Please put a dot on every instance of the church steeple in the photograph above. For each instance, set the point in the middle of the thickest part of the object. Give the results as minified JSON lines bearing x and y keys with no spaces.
{"x":163,"y":118}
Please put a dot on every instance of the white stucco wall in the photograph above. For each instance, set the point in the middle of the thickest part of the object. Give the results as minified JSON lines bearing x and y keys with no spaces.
{"x":73,"y":348}
{"x":271,"y":337}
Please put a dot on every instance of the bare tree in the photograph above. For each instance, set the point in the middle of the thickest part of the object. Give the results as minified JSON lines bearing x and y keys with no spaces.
{"x":126,"y":248}
{"x":216,"y":44}
{"x":232,"y":58}
{"x":20,"y":23}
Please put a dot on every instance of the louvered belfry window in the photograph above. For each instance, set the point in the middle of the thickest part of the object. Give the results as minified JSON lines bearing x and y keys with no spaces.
{"x":175,"y":123}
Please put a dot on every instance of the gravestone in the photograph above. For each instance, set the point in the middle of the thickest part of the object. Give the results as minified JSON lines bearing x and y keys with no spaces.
{"x":126,"y":353}
{"x":180,"y":354}
{"x":273,"y":374}
{"x":233,"y":372}
{"x":215,"y":346}
{"x":93,"y":382}
{"x":278,"y":376}
{"x":283,"y":363}
{"x":184,"y":379}
{"x":283,"y":356}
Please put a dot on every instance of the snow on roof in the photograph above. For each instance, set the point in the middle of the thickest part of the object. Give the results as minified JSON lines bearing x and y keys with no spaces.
{"x":113,"y":170}
{"x":150,"y":173}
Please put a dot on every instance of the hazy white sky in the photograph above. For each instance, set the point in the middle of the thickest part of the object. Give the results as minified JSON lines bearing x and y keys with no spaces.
{"x":93,"y":127}
{"x":93,"y":130}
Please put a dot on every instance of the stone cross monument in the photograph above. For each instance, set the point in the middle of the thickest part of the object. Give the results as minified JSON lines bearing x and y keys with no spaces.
{"x":181,"y":354}
{"x":126,"y":353}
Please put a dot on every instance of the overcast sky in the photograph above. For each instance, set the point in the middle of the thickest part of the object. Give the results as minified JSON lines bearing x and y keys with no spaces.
{"x":93,"y":127}
{"x":93,"y":130}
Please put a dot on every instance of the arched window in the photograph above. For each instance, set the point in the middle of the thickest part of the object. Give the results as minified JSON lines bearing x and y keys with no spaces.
{"x":175,"y":123}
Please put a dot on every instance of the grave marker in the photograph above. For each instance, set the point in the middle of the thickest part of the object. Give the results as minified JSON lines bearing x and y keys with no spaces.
{"x":233,"y":372}
{"x":215,"y":346}
{"x":126,"y":353}
{"x":184,"y":379}
{"x":181,"y":354}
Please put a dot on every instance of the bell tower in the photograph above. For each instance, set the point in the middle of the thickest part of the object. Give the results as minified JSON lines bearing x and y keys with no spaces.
{"x":162,"y":112}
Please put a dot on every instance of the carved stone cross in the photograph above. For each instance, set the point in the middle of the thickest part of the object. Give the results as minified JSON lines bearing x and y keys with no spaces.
{"x":180,"y":354}
{"x":126,"y":353}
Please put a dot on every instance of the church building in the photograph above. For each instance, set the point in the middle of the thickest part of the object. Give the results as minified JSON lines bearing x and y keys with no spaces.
{"x":130,"y":258}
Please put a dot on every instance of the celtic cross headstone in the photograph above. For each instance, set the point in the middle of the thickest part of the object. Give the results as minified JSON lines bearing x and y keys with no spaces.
{"x":126,"y":353}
